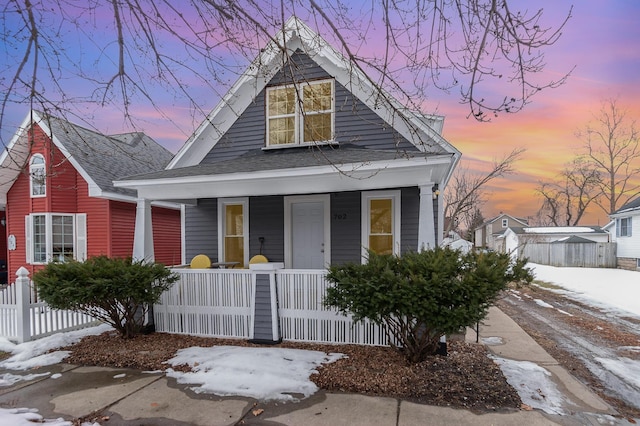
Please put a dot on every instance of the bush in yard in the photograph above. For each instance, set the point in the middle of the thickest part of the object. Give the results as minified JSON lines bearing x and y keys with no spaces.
{"x":114,"y":290}
{"x":422,"y":296}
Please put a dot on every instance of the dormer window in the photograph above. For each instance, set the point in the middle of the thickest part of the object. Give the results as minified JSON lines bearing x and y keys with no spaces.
{"x":37,"y":176}
{"x":300,"y":114}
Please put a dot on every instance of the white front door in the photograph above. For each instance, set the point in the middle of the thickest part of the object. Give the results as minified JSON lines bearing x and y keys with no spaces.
{"x":308,"y":235}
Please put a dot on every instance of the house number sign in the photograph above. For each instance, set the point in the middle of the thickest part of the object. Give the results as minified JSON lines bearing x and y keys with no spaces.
{"x":11,"y":242}
{"x":339,"y":216}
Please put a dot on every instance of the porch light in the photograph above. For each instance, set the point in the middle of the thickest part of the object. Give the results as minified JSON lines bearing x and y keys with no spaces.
{"x":3,"y":221}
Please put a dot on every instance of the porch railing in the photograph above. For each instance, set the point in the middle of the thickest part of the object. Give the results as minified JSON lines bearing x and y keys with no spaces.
{"x":203,"y":302}
{"x":303,"y":317}
{"x":220,"y":303}
{"x":23,"y":317}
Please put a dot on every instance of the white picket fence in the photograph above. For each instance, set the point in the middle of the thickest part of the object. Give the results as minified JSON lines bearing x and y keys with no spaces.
{"x":24,"y":318}
{"x":220,"y":303}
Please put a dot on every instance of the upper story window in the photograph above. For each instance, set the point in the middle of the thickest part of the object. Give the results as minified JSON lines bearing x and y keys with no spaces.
{"x":623,"y":227}
{"x":505,"y":223}
{"x":37,"y":176}
{"x":300,"y":114}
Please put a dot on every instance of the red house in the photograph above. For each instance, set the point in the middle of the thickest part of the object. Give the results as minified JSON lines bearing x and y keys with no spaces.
{"x":60,"y":203}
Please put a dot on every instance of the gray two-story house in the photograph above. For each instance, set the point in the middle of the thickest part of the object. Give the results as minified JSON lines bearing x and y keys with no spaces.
{"x":307,"y":162}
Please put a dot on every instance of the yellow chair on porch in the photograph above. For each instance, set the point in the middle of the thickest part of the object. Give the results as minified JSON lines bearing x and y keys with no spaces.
{"x":200,"y":261}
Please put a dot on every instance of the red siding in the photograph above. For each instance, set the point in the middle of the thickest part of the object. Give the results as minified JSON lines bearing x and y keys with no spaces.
{"x":62,"y":189}
{"x":3,"y":238}
{"x":167,"y":240}
{"x":97,"y":210}
{"x":18,"y":206}
{"x":123,"y":220}
{"x":110,"y":224}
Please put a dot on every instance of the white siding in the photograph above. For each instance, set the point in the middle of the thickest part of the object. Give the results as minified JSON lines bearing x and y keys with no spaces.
{"x":629,"y":246}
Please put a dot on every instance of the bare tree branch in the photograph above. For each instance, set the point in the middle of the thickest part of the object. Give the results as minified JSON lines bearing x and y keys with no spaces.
{"x":466,"y":193}
{"x":612,"y":146}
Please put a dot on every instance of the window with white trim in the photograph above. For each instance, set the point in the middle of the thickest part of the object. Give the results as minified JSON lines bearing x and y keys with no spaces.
{"x":233,"y":231}
{"x":505,"y":223}
{"x":55,"y":237}
{"x":381,"y":222}
{"x":623,"y":227}
{"x":37,"y":176}
{"x":302,"y":114}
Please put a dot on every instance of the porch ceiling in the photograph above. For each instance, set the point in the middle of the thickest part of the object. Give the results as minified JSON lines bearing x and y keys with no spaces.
{"x":179,"y":184}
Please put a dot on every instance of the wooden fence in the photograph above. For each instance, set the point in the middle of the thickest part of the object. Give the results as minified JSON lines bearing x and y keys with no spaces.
{"x":586,"y":255}
{"x":23,"y":317}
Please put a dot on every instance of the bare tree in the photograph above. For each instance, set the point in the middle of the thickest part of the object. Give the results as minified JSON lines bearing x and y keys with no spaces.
{"x":466,"y":192}
{"x":612,"y":146}
{"x":71,"y":58}
{"x":566,"y":199}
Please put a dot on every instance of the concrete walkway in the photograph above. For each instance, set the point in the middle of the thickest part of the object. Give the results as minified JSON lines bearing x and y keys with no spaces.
{"x":131,"y":397}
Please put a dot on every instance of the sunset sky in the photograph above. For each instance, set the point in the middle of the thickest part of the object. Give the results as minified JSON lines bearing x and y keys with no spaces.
{"x":602,"y":42}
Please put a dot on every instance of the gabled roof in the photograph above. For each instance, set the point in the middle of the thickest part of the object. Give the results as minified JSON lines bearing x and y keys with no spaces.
{"x":99,"y":159}
{"x":631,"y":206}
{"x":500,"y":216}
{"x":574,"y":239}
{"x":421,"y":130}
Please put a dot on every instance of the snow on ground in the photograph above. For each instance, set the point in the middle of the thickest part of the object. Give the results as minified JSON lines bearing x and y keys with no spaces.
{"x":27,"y":417}
{"x":33,"y":354}
{"x":612,"y":289}
{"x":260,"y":373}
{"x":534,"y":385}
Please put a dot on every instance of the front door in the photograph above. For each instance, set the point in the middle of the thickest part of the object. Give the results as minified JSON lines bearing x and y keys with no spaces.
{"x":307,"y":235}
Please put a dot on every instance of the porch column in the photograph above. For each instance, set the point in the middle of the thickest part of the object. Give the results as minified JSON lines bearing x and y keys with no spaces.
{"x":426,"y":230}
{"x":266,"y":322}
{"x":143,"y":236}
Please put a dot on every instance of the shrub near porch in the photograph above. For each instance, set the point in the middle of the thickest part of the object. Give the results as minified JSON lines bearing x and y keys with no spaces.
{"x":421,"y":296}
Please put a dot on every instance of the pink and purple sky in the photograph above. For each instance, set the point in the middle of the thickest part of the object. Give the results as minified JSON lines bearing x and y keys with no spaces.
{"x":602,"y":42}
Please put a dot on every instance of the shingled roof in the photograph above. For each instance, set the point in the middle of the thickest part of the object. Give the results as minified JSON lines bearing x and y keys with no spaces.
{"x":103,"y":159}
{"x":263,"y":160}
{"x":100,"y":159}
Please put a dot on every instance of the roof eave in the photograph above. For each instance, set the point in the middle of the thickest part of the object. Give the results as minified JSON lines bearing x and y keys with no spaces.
{"x":323,"y":179}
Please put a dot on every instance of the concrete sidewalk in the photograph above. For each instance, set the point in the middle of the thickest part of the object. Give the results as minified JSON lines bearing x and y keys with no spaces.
{"x":131,"y":397}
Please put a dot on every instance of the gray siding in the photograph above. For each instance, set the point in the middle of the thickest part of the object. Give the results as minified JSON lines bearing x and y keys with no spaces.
{"x":346,"y":229}
{"x":354,"y":121}
{"x":201,"y":224}
{"x":409,"y":210}
{"x":266,"y":219}
{"x":262,"y":329}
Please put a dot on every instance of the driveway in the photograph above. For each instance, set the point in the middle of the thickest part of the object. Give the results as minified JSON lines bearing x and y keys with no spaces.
{"x":600,"y":348}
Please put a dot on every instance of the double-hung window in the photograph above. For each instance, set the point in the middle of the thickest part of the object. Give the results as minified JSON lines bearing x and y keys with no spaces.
{"x":37,"y":176}
{"x":300,"y":114}
{"x":623,"y":227}
{"x":233,"y":227}
{"x":381,"y":222}
{"x":55,"y":237}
